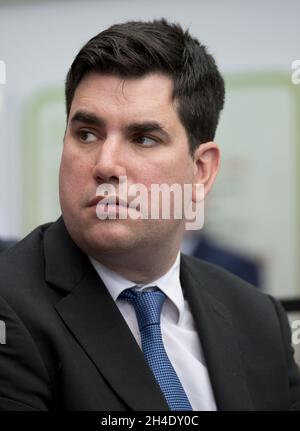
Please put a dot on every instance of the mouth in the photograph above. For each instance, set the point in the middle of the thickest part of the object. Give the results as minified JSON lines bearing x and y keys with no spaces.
{"x":108,"y":200}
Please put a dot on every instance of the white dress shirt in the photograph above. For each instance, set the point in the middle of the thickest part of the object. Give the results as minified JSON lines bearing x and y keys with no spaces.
{"x":179,"y":335}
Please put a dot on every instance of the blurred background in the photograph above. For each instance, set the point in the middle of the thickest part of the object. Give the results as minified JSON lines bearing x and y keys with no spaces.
{"x":252,"y":215}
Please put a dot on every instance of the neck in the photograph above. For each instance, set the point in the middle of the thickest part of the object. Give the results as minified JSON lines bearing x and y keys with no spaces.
{"x":140,"y":269}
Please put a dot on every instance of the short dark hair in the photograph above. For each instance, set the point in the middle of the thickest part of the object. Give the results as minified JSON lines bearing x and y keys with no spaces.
{"x":135,"y":49}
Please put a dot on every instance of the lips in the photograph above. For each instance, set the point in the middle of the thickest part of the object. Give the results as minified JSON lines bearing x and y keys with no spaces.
{"x":108,"y":200}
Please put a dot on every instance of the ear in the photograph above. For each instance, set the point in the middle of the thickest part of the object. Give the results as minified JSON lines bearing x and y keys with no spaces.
{"x":206,"y":166}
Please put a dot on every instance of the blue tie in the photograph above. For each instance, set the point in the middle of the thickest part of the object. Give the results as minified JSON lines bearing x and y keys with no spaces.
{"x":148,"y":307}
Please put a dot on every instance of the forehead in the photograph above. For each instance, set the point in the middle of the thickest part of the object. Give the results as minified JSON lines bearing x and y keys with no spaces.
{"x":108,"y":94}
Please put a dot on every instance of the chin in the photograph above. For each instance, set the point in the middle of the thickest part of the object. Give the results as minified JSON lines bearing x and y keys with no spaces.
{"x":109,"y":236}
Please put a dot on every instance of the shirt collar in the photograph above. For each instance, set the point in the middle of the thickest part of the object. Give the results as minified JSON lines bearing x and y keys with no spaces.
{"x":169,"y":283}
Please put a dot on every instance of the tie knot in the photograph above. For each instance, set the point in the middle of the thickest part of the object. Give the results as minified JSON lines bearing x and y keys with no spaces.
{"x":147,"y":305}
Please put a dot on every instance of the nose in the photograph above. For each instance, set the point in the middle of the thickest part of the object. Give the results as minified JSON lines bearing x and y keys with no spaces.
{"x":110,"y":162}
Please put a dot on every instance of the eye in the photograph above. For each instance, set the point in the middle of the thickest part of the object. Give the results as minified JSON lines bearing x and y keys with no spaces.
{"x":86,"y":136}
{"x":146,"y":141}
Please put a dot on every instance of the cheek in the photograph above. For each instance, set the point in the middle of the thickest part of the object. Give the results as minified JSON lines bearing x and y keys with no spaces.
{"x":179,"y":173}
{"x":73,"y":165}
{"x":72,"y":176}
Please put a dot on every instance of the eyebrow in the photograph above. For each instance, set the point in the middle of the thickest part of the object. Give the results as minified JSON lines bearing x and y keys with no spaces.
{"x":88,"y":118}
{"x":147,"y":127}
{"x":136,"y":127}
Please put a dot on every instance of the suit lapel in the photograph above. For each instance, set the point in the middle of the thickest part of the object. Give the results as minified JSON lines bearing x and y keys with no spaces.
{"x":218,"y":340}
{"x":93,"y":318}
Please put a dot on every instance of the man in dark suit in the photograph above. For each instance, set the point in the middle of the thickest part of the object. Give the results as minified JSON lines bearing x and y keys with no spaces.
{"x":101,"y":311}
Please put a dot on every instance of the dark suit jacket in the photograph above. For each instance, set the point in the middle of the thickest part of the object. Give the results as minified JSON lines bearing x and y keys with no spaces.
{"x":69,"y":348}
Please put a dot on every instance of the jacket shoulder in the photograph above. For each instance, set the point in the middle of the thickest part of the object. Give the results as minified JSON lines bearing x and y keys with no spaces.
{"x":222,"y":284}
{"x":24,"y":261}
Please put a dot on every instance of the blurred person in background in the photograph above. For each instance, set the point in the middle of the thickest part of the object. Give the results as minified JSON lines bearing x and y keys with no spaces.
{"x":6,"y":243}
{"x":201,"y":245}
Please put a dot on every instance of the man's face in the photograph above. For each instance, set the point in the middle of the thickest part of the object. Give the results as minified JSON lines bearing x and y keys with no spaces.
{"x":121,"y":127}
